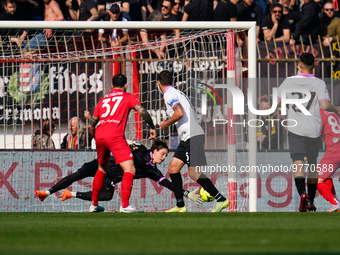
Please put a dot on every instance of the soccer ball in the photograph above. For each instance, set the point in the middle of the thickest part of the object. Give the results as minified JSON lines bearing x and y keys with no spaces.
{"x":206,"y":196}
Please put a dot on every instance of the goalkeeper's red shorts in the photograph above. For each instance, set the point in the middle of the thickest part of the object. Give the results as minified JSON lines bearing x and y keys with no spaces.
{"x":118,"y":147}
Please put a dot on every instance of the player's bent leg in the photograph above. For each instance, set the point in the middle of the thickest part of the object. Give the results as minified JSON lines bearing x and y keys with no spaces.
{"x":127,"y":181}
{"x":94,"y":209}
{"x":207,"y":184}
{"x":41,"y":194}
{"x":66,"y":195}
{"x":174,"y":169}
{"x":312,"y":182}
{"x":310,"y":206}
{"x":129,"y":209}
{"x":177,"y":209}
{"x":62,"y":184}
{"x":299,"y":177}
{"x":325,"y":191}
{"x":220,"y":206}
{"x":303,"y":203}
{"x":334,"y":208}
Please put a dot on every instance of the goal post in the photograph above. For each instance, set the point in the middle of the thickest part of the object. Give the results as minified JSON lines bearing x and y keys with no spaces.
{"x":64,"y":67}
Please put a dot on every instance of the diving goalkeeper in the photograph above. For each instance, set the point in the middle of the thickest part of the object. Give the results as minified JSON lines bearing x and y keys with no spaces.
{"x":146,"y":167}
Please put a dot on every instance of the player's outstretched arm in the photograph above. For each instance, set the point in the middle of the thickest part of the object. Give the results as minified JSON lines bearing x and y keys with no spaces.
{"x":147,"y":117}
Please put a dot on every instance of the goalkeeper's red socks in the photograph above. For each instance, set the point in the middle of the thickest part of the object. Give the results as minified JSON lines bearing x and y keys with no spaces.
{"x":326,"y":192}
{"x":97,"y":185}
{"x":126,"y":187}
{"x":329,"y":183}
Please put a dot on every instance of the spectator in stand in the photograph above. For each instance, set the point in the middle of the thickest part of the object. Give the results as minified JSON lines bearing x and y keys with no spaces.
{"x":76,"y":137}
{"x":307,"y":28}
{"x":198,"y":10}
{"x":105,"y":5}
{"x":42,"y":140}
{"x":87,"y":10}
{"x":269,"y":131}
{"x":166,"y":10}
{"x":10,"y":13}
{"x":177,"y":10}
{"x":30,"y":9}
{"x":118,"y":36}
{"x":247,"y":10}
{"x":225,"y":10}
{"x":263,"y":4}
{"x":52,"y":13}
{"x":329,"y":25}
{"x":167,"y":16}
{"x":137,"y":10}
{"x":292,"y":16}
{"x":146,"y":36}
{"x":274,"y":26}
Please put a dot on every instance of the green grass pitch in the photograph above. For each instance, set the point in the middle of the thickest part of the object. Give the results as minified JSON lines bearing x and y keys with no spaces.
{"x":160,"y":233}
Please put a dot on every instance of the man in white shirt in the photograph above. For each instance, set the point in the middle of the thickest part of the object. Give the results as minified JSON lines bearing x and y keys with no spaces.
{"x":191,"y":134}
{"x":304,"y":136}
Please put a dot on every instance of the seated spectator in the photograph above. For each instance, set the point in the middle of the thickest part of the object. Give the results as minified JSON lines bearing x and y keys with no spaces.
{"x":43,"y":139}
{"x":87,"y":10}
{"x":105,"y":5}
{"x":10,"y":13}
{"x":292,"y":16}
{"x":225,"y":11}
{"x":118,"y":37}
{"x":329,"y":25}
{"x":274,"y":26}
{"x":269,"y":131}
{"x":198,"y":10}
{"x":308,"y":26}
{"x":176,"y":10}
{"x":76,"y":137}
{"x":247,"y":10}
{"x":52,"y":13}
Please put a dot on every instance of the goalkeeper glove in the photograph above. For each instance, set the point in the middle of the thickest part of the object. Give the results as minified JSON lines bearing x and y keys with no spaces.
{"x":194,"y":197}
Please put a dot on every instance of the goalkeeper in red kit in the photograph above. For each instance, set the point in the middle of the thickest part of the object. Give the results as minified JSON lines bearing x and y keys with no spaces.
{"x":112,"y":112}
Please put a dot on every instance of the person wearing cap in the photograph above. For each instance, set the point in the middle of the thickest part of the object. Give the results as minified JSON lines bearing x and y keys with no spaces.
{"x":304,"y":131}
{"x":42,"y":140}
{"x":118,"y":36}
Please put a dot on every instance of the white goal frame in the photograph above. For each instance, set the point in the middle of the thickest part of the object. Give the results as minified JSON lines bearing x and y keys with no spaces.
{"x":249,"y":26}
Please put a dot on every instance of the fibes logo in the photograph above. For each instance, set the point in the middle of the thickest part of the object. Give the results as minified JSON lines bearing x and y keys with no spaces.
{"x":238,"y":104}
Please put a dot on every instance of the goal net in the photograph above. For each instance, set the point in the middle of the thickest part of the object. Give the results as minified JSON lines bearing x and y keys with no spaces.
{"x":60,"y":77}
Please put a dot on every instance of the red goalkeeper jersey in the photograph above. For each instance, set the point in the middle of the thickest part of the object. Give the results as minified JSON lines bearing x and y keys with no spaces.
{"x":113,"y":110}
{"x":330,"y":130}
